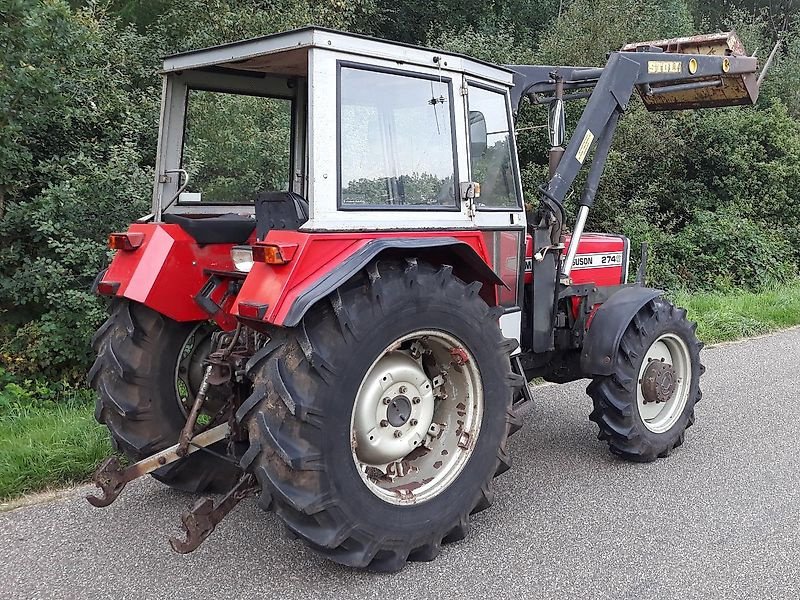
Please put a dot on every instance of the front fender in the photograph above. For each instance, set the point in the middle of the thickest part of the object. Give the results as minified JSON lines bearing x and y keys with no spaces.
{"x":601,"y":342}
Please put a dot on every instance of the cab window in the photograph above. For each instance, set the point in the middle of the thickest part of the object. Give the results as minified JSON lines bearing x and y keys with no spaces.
{"x":395,"y":141}
{"x":235,"y":146}
{"x":491,"y":158}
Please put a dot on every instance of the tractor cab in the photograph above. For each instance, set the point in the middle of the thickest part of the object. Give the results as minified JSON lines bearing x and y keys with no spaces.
{"x":342,"y":131}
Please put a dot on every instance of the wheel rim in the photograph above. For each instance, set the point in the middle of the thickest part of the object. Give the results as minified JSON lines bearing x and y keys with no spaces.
{"x":189,"y":368}
{"x":664,"y":382}
{"x":416,"y":417}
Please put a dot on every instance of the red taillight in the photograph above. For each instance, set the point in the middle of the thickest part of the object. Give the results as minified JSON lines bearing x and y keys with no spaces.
{"x":125,"y":241}
{"x":273,"y":254}
{"x":107,"y":288}
{"x":249,"y":310}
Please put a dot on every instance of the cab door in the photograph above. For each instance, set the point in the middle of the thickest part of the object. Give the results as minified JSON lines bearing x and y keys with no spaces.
{"x":498,"y":209}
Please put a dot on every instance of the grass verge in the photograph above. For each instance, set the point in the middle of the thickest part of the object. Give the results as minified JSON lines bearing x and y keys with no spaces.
{"x":49,"y":439}
{"x":48,"y":444}
{"x":727,"y":316}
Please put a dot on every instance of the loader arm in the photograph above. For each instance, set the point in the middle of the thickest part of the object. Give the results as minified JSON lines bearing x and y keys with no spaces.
{"x":699,"y":72}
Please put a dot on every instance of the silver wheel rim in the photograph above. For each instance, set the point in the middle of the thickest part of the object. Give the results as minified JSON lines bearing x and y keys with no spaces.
{"x":670,"y":350}
{"x":189,"y":368}
{"x":416,"y":417}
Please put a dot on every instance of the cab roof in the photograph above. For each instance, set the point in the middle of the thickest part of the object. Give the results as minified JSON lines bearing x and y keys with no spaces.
{"x":286,"y":53}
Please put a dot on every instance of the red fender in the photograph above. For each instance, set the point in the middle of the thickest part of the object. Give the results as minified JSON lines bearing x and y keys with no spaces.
{"x":166,"y":271}
{"x":280,"y":294}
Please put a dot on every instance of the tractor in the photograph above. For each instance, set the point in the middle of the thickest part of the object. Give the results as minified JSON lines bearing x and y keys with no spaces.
{"x":339,"y":298}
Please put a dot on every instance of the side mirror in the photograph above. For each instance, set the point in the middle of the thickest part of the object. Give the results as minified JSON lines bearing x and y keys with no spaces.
{"x":477,"y":134}
{"x":556,"y":123}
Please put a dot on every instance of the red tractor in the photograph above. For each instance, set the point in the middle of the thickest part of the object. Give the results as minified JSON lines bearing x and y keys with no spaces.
{"x":338,"y":299}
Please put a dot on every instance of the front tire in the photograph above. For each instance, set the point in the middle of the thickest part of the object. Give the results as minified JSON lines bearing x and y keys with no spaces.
{"x":134,"y":376}
{"x":309,"y":427}
{"x":645,"y":406}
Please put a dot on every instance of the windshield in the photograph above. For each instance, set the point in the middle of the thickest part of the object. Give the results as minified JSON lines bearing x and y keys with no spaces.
{"x":235,"y":146}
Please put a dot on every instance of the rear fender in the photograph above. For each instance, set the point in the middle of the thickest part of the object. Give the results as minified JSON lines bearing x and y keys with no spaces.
{"x":323,"y":262}
{"x":601,"y":342}
{"x":167,"y":271}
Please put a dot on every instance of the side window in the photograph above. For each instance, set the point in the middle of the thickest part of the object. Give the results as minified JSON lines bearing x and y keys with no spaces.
{"x":490,"y":149}
{"x":235,"y":146}
{"x":395,"y":140}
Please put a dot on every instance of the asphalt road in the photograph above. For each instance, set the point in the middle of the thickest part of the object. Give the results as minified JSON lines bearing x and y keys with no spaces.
{"x":720,"y":518}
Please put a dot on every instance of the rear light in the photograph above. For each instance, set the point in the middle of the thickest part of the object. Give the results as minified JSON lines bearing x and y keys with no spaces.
{"x":242,"y":257}
{"x":107,"y":288}
{"x":249,"y":310}
{"x":125,"y":241}
{"x":273,"y":254}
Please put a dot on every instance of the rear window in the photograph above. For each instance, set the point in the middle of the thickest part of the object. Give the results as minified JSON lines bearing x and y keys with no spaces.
{"x":235,"y":146}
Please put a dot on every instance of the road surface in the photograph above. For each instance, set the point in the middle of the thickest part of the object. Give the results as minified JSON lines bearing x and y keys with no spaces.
{"x":720,"y":518}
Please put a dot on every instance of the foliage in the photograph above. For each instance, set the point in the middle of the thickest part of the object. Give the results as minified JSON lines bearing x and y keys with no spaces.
{"x":716,"y":193}
{"x":590,"y":28}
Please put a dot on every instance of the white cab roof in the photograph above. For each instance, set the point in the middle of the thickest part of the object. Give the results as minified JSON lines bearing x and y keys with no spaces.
{"x":288,"y":52}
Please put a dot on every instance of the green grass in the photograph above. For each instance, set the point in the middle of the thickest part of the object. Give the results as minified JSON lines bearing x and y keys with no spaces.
{"x":50,"y":438}
{"x":47,"y":444}
{"x":726,"y":316}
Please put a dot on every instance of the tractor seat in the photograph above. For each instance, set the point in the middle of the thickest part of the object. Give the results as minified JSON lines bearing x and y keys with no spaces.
{"x":229,"y":228}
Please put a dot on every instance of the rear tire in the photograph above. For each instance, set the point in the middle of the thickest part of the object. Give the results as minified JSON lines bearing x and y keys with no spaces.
{"x":301,"y":417}
{"x":134,"y":377}
{"x":642,"y":426}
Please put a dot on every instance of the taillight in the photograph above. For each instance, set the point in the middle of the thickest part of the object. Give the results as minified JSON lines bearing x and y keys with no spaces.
{"x":273,"y":254}
{"x":107,"y":288}
{"x":250,"y":310}
{"x":125,"y":241}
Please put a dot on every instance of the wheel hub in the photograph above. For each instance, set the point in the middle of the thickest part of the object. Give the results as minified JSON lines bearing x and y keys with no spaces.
{"x":416,"y":417}
{"x":659,"y":382}
{"x":399,"y":411}
{"x":394,"y":410}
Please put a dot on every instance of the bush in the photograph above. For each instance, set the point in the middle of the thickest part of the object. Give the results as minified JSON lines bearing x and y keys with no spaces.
{"x":720,"y":251}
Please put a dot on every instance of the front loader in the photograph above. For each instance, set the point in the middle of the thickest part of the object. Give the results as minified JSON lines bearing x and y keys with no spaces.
{"x":339,"y":297}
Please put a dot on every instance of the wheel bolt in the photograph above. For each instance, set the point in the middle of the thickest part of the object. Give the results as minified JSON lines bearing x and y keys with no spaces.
{"x":416,"y":400}
{"x":398,"y":433}
{"x":414,"y":422}
{"x":384,"y":423}
{"x":386,"y":400}
{"x":402,"y":389}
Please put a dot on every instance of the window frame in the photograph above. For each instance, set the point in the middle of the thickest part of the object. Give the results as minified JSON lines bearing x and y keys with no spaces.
{"x":471,"y":83}
{"x":347,"y":64}
{"x":292,"y":137}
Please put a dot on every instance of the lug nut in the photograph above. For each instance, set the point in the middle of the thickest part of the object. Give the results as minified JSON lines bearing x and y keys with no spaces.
{"x":414,"y":422}
{"x":416,"y":400}
{"x":402,"y":389}
{"x":398,"y":433}
{"x":384,"y":423}
{"x":386,"y":400}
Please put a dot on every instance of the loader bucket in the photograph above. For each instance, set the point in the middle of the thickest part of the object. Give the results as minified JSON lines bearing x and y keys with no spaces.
{"x":724,"y":89}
